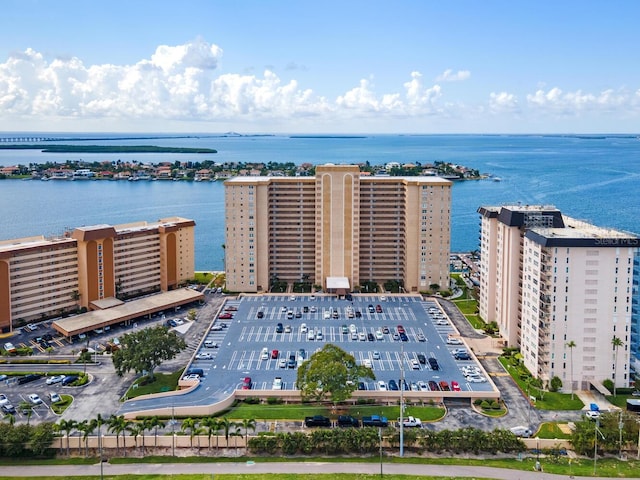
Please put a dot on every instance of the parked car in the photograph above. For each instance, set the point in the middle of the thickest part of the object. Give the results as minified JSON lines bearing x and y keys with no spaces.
{"x":69,"y":379}
{"x":35,"y":399}
{"x":8,"y":409}
{"x":54,"y":379}
{"x":317,"y":421}
{"x":348,"y":421}
{"x":433,"y":363}
{"x":393,"y":385}
{"x":247,"y":383}
{"x":210,"y":344}
{"x":274,"y":354}
{"x":3,"y":399}
{"x":279,"y":328}
{"x":422,"y":359}
{"x":204,"y":356}
{"x":521,"y":431}
{"x":54,"y":397}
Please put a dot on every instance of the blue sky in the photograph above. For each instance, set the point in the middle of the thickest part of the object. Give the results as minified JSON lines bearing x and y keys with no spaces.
{"x":327,"y":67}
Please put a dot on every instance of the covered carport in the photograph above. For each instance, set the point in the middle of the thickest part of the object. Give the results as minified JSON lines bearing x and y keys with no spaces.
{"x":118,"y":312}
{"x":338,"y":285}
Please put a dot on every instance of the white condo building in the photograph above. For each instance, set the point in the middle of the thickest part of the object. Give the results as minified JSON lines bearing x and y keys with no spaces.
{"x":548,"y":280}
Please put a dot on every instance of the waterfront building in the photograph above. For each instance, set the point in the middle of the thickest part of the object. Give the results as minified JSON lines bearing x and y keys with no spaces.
{"x":548,"y":280}
{"x":47,"y":277}
{"x":337,"y":229}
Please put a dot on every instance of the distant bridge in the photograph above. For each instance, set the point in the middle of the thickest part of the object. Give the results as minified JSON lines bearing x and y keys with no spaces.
{"x":28,"y":139}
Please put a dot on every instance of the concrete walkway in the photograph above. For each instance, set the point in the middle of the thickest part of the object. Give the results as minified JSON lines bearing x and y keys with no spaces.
{"x":280,"y":468}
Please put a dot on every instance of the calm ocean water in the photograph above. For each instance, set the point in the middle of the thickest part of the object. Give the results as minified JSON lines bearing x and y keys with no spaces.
{"x":588,"y":177}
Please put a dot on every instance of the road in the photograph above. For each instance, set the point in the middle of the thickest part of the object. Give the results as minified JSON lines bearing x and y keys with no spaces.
{"x":280,"y":468}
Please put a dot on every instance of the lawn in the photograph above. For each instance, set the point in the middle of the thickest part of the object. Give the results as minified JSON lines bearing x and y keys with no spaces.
{"x":467,"y":307}
{"x":61,"y":406}
{"x":298,"y":412}
{"x":544,"y":400}
{"x":552,"y":431}
{"x":620,"y":400}
{"x":162,"y":383}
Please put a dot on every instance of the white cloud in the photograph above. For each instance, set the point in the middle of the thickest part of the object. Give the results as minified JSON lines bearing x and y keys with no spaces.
{"x":180,"y":86}
{"x":451,"y":76}
{"x":556,"y":101}
{"x":503,"y":102}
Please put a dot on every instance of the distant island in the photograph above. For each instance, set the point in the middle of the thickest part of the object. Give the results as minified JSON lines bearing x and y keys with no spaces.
{"x":209,"y":170}
{"x":107,"y":149}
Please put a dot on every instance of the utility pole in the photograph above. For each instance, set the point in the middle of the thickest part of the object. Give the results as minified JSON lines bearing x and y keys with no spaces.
{"x":401,"y":399}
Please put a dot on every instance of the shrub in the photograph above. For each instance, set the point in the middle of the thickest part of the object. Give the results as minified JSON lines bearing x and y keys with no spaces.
{"x":252,"y":400}
{"x":484,"y":405}
{"x":608,"y":384}
{"x":274,"y":400}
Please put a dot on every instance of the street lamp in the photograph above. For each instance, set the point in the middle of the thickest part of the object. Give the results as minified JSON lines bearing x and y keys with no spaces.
{"x":401,"y":400}
{"x":595,"y":445}
{"x":380,"y":441}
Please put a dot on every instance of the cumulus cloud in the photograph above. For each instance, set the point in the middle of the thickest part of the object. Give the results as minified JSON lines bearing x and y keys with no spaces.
{"x":556,"y":101}
{"x":451,"y":76}
{"x":182,"y":84}
{"x":503,"y":102}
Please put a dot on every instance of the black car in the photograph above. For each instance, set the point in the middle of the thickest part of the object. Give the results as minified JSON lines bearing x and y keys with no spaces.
{"x":404,"y":337}
{"x":371,"y":309}
{"x":361,"y":386}
{"x":260,"y":314}
{"x":305,"y":309}
{"x":393,"y":385}
{"x":385,"y":329}
{"x":317,"y":421}
{"x":69,"y":379}
{"x":302,"y":353}
{"x":358,"y":314}
{"x":279,"y":328}
{"x":422,"y":359}
{"x":462,"y":356}
{"x":404,"y":385}
{"x":292,"y":361}
{"x":370,"y":337}
{"x":433,"y":386}
{"x":433,"y":363}
{"x":348,"y":421}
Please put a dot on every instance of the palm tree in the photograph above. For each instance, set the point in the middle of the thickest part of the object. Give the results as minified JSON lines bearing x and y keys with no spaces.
{"x":248,"y":423}
{"x":155,"y":423}
{"x":226,"y":425}
{"x":135,"y":430}
{"x":189,"y":424}
{"x":81,"y":427}
{"x":99,"y":421}
{"x":118,"y":425}
{"x":66,"y":426}
{"x":236,"y":432}
{"x":87,"y":430}
{"x":212,"y":425}
{"x":571,"y":345}
{"x":616,"y":342}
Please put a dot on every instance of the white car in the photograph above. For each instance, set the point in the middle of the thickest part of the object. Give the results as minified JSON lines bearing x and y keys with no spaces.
{"x":303,"y":328}
{"x":376,"y":355}
{"x":362,"y":337}
{"x":379,"y":335}
{"x":265,"y":354}
{"x":454,"y":341}
{"x":319,"y":335}
{"x":592,"y":414}
{"x":312,"y":309}
{"x":287,"y":329}
{"x":35,"y":399}
{"x":54,"y":397}
{"x":192,"y":376}
{"x":475,"y":379}
{"x":204,"y":356}
{"x":415,"y":364}
{"x":3,"y":399}
{"x":326,"y":315}
{"x":282,"y":363}
{"x":442,"y":321}
{"x":423,"y":386}
{"x":55,"y":379}
{"x":367,"y":363}
{"x":32,"y":326}
{"x":277,"y":384}
{"x":210,"y":344}
{"x":353,"y":328}
{"x":521,"y":431}
{"x":382,"y":386}
{"x":421,"y":337}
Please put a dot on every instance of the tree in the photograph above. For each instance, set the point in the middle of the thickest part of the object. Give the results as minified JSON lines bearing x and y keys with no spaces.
{"x":616,"y":342}
{"x":571,"y":345}
{"x":248,"y":424}
{"x":67,"y":427}
{"x":155,"y":423}
{"x":191,"y":425}
{"x":555,"y":384}
{"x":330,"y":372}
{"x":146,"y":349}
{"x":212,"y":426}
{"x":118,"y":425}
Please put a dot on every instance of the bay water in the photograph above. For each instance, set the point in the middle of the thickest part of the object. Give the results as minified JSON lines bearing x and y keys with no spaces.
{"x":595,"y":178}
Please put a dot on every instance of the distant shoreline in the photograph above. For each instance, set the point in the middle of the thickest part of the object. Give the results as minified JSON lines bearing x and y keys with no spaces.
{"x":107,"y":149}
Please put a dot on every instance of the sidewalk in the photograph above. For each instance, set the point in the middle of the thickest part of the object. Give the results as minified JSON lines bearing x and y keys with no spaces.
{"x":589,"y":397}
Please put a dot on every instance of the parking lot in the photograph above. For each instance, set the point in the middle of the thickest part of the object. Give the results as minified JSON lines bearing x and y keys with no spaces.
{"x":267,"y":337}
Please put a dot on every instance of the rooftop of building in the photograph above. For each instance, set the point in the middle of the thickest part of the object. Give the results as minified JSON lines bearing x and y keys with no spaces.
{"x":579,"y":233}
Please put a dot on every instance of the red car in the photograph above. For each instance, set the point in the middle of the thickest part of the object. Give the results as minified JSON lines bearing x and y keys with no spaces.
{"x":400,"y":329}
{"x":274,"y":353}
{"x":246,"y":383}
{"x":378,"y":308}
{"x":455,"y":386}
{"x":225,"y":316}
